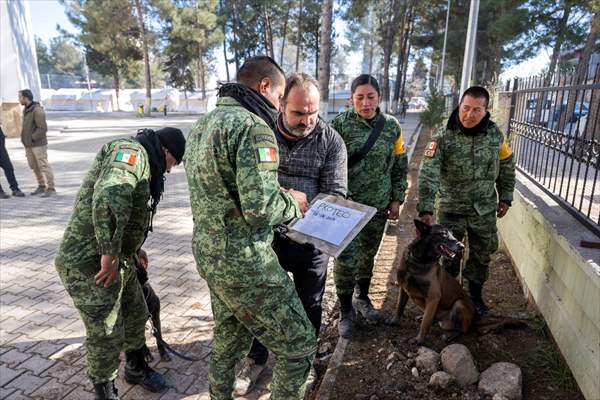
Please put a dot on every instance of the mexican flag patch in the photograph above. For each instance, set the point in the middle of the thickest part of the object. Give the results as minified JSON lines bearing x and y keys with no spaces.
{"x":430,"y":150}
{"x":126,"y":157}
{"x":267,"y":154}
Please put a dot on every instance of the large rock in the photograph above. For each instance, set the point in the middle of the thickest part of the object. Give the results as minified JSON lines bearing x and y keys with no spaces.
{"x":502,"y":378}
{"x":458,"y":362}
{"x":441,"y":380}
{"x":427,"y":360}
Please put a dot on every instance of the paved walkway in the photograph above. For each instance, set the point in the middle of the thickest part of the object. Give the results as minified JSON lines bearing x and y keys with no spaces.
{"x":42,"y":352}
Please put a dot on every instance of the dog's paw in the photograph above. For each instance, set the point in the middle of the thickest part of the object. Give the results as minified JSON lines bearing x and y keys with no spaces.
{"x":416,"y":341}
{"x":165,"y":357}
{"x":391,"y":322}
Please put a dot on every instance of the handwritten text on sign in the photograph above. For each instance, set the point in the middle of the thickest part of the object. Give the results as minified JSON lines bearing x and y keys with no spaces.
{"x":328,"y":221}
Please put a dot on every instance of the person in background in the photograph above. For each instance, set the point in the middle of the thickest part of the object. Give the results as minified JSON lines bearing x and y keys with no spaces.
{"x":33,"y":137}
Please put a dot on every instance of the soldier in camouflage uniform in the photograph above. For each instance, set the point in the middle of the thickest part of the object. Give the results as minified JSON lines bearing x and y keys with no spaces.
{"x":470,"y":168}
{"x":231,"y":162}
{"x":378,"y":180}
{"x":96,"y":259}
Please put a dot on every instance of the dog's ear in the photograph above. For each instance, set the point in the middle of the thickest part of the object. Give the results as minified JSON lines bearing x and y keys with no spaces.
{"x":422,"y":227}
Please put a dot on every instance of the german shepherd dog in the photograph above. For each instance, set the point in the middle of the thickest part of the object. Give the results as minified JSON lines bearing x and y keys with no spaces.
{"x":422,"y":279}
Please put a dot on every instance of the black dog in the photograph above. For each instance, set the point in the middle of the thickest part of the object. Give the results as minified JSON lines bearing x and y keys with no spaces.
{"x":429,"y":286}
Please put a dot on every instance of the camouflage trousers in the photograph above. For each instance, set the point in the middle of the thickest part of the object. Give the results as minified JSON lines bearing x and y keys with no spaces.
{"x":483,"y":242}
{"x":357,"y":260}
{"x":114,"y":317}
{"x":275,"y":316}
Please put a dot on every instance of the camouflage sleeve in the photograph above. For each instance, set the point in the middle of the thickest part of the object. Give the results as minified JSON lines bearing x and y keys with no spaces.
{"x":399,"y":169}
{"x":39,"y":118}
{"x":257,"y":160}
{"x":336,"y":124}
{"x":429,"y":176}
{"x":505,"y":183}
{"x":333,"y":177}
{"x":112,"y":199}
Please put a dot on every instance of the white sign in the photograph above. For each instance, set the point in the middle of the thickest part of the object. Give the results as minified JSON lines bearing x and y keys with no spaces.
{"x":329,"y":222}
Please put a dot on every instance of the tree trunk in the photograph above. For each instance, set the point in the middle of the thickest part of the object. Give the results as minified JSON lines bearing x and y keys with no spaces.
{"x":411,"y":27}
{"x":400,"y":64}
{"x":148,"y":100}
{"x":299,"y":36}
{"x":284,"y":34}
{"x":268,"y":34}
{"x":117,"y":87}
{"x":389,"y":34}
{"x":201,"y":72}
{"x":225,"y":44}
{"x":324,"y":62}
{"x":235,"y":41}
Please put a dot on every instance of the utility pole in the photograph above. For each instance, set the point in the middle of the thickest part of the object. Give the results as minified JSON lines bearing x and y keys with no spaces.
{"x":441,"y":80}
{"x":468,"y":60}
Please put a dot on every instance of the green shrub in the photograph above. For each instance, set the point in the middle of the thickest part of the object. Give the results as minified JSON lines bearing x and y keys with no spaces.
{"x":433,"y":115}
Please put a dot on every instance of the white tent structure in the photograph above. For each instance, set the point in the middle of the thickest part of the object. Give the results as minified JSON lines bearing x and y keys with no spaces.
{"x":160,"y":97}
{"x":194,"y":103}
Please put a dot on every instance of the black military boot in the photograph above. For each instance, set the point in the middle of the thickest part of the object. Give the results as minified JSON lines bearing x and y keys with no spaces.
{"x":361,"y":302}
{"x":346,"y":322}
{"x":106,"y":391}
{"x":475,"y":291}
{"x":137,"y":371}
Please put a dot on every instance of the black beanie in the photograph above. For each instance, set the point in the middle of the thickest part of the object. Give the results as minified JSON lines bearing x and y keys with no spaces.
{"x":173,"y":140}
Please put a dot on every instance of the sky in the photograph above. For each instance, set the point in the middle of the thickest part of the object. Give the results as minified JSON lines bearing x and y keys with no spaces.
{"x":46,"y":14}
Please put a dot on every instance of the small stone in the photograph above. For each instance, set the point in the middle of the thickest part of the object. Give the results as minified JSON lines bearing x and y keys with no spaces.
{"x":428,"y":360}
{"x":502,"y":378}
{"x":390,"y":364}
{"x":410,"y":355}
{"x":325,"y":348}
{"x":441,"y":379}
{"x":415,"y":372}
{"x":499,"y":397}
{"x":380,"y":350}
{"x":410,"y":362}
{"x":458,"y":362}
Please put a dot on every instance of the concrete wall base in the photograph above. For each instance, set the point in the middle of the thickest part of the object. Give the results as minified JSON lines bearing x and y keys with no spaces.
{"x":562,"y":278}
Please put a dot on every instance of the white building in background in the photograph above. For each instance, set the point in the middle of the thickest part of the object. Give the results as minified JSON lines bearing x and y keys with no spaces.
{"x":18,"y":62}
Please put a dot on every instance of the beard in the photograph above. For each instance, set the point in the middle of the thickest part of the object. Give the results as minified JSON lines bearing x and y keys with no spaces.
{"x":300,"y":131}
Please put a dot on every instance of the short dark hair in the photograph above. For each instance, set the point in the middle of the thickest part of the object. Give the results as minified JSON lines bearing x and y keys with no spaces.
{"x":26,"y":93}
{"x":365,"y":79}
{"x":477,"y":92}
{"x":257,"y":68}
{"x":299,"y":79}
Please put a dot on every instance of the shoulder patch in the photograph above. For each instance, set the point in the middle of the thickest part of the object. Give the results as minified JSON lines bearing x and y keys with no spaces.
{"x":505,"y":151}
{"x":430,"y":149}
{"x":265,"y":147}
{"x":261,"y":137}
{"x":126,"y":156}
{"x":399,"y":145}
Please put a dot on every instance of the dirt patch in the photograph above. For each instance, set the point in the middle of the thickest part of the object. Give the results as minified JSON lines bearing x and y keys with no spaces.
{"x":367,"y":373}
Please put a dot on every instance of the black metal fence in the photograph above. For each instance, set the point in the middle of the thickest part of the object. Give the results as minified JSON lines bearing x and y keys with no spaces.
{"x":555,"y":129}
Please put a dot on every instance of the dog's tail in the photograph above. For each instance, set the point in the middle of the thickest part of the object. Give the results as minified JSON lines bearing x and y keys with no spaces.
{"x":495,"y":324}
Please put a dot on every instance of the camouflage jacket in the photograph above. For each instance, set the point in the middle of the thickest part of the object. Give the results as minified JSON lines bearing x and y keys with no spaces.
{"x":467,"y":173}
{"x":111,"y":211}
{"x":231,"y":161}
{"x":380,"y":177}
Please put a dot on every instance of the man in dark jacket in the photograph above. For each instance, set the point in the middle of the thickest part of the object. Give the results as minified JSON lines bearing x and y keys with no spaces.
{"x":33,"y":137}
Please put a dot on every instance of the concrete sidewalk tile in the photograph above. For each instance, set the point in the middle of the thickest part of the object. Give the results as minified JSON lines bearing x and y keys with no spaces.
{"x":15,"y":395}
{"x":36,"y":364}
{"x":178,"y":381}
{"x":62,"y":371}
{"x":8,"y":374}
{"x":53,"y":390}
{"x":27,"y":382}
{"x":14,"y":358}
